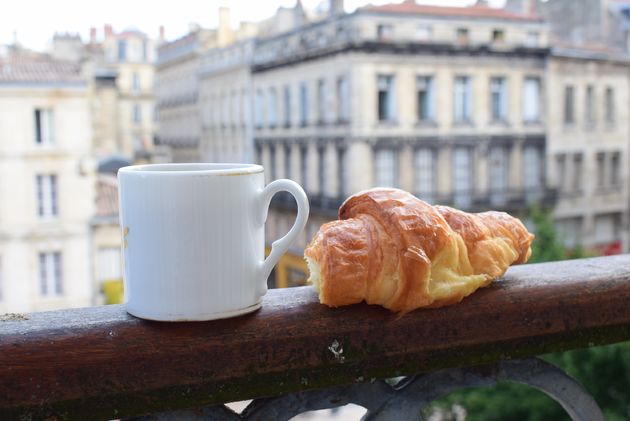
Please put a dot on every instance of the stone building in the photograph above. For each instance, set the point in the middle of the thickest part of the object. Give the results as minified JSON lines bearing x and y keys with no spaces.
{"x":589,"y":147}
{"x":47,"y":184}
{"x":447,"y":103}
{"x":460,"y":106}
{"x":185,"y":67}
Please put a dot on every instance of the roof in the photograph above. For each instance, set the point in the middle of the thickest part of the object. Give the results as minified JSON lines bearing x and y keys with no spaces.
{"x":38,"y":69}
{"x":106,"y":196}
{"x":477,"y":11}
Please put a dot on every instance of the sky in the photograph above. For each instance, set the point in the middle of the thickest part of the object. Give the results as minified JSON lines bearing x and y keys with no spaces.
{"x":35,"y":21}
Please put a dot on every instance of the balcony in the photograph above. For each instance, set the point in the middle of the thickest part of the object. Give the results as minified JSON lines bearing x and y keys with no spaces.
{"x":510,"y":200}
{"x":101,"y":363}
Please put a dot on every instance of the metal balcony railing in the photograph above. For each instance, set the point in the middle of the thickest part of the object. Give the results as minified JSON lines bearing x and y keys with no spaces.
{"x":509,"y":200}
{"x":101,"y":363}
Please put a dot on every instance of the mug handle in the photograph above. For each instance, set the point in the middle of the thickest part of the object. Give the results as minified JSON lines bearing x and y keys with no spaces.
{"x":281,"y":245}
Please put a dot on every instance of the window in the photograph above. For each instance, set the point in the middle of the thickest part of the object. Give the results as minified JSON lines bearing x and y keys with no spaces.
{"x":46,"y":186}
{"x":321,"y":101}
{"x":386,"y":168}
{"x":424,"y":32}
{"x":343,"y":99}
{"x":498,"y":35}
{"x":569,"y":105}
{"x":122,"y":50}
{"x":462,"y":35}
{"x":498,"y":99}
{"x":287,"y":106}
{"x":109,"y":264}
{"x":273,"y":108}
{"x":609,"y":105}
{"x":342,"y":172}
{"x":589,"y":106}
{"x":137,"y":113}
{"x":384,"y":32}
{"x":531,"y":100}
{"x":303,"y":104}
{"x":44,"y":127}
{"x":425,"y":174}
{"x":304,"y":168}
{"x":144,"y":51}
{"x":462,"y":177}
{"x":576,"y":176}
{"x":601,"y":170}
{"x":463,"y":99}
{"x":570,"y":230}
{"x":426,"y":98}
{"x":135,"y":82}
{"x":561,"y":172}
{"x":615,"y":162}
{"x":386,"y":98}
{"x":258,"y":109}
{"x":533,"y":39}
{"x":532,"y":168}
{"x":50,"y":275}
{"x":498,"y":175}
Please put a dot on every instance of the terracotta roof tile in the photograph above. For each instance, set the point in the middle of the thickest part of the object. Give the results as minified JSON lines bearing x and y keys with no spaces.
{"x":38,"y":69}
{"x":476,"y":11}
{"x":106,"y":195}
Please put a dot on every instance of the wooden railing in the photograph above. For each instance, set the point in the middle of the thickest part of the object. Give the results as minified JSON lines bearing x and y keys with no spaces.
{"x":101,"y":363}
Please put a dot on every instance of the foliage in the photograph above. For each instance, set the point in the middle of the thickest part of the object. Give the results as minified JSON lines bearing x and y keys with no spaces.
{"x":547,"y":247}
{"x":604,"y":370}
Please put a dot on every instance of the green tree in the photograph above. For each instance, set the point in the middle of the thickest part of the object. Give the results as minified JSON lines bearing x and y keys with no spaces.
{"x":547,"y":246}
{"x":603,"y":370}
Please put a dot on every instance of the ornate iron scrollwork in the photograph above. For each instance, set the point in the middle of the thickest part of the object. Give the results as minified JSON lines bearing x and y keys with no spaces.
{"x":404,"y":399}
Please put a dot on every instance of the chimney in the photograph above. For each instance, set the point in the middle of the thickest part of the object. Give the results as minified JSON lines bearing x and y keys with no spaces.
{"x":108,"y":31}
{"x":336,"y":7}
{"x":92,"y":35}
{"x":532,"y":7}
{"x":162,"y":33}
{"x":225,"y":35}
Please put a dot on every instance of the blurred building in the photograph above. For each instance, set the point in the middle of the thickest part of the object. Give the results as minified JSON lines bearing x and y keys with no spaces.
{"x":447,"y":103}
{"x":475,"y":107}
{"x":47,"y":184}
{"x":186,"y":70}
{"x":589,"y":146}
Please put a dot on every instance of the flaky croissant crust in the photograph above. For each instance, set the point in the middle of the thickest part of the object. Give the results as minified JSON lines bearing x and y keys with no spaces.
{"x":392,"y":249}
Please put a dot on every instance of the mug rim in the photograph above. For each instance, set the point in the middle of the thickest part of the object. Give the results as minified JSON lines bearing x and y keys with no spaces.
{"x":180,"y":169}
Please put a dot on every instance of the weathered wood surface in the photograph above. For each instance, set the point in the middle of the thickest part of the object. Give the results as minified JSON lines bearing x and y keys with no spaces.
{"x":101,"y":363}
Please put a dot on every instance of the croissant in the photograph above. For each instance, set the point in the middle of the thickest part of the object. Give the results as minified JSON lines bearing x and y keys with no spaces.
{"x":392,"y":249}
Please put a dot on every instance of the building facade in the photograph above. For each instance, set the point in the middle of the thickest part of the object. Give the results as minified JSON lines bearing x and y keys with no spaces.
{"x":47,"y":186}
{"x":589,"y":147}
{"x":446,"y":103}
{"x":460,"y":106}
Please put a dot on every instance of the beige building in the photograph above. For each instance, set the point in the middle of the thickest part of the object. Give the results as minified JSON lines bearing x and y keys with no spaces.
{"x":47,"y":187}
{"x":190,"y":98}
{"x":589,"y":147}
{"x":460,"y":106}
{"x":447,"y":103}
{"x":132,"y":55}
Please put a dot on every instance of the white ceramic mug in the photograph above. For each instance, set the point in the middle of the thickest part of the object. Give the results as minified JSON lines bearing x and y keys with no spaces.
{"x":194,"y":241}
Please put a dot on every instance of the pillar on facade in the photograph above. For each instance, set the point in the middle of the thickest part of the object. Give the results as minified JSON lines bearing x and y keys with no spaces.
{"x":360,"y":167}
{"x":405,"y":161}
{"x":312,"y":160}
{"x":331,"y":167}
{"x":445,"y":170}
{"x":266,"y":161}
